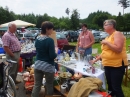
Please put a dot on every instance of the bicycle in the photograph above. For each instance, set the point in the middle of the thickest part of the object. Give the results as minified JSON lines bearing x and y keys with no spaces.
{"x":7,"y":88}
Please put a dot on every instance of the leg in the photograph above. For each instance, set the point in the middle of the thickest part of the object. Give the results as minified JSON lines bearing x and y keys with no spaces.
{"x":49,"y":82}
{"x":17,"y":56}
{"x":116,"y":80}
{"x":38,"y":77}
{"x":14,"y":69}
{"x":108,"y":78}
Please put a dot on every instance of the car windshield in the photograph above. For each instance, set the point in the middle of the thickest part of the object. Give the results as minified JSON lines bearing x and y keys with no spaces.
{"x":60,"y":36}
{"x":102,"y":33}
{"x":21,"y":35}
{"x":65,"y":32}
{"x":29,"y":35}
{"x":96,"y":33}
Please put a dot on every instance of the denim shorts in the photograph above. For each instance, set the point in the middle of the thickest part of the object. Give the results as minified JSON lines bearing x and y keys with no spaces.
{"x":87,"y":51}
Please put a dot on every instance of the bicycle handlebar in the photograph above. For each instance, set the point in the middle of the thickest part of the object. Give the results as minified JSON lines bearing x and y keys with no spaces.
{"x":11,"y":61}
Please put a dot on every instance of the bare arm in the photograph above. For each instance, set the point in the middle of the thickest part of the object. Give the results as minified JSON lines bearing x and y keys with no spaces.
{"x":118,"y":42}
{"x":98,"y":58}
{"x":8,"y":51}
{"x":78,"y":40}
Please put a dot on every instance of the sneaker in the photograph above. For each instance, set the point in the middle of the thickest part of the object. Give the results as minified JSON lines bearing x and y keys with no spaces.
{"x":16,"y":87}
{"x":17,"y":82}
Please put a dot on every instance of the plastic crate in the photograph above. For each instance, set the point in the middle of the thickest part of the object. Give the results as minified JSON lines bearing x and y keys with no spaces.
{"x":2,"y":50}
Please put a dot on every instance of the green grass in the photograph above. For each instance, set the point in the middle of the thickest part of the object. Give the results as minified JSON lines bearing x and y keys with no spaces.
{"x":98,"y":45}
{"x":126,"y":90}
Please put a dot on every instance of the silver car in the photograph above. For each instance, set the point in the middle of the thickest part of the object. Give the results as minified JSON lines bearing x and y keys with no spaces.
{"x":103,"y":35}
{"x":96,"y":35}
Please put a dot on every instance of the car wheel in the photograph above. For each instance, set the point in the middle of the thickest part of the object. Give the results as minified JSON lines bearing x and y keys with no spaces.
{"x":72,"y":40}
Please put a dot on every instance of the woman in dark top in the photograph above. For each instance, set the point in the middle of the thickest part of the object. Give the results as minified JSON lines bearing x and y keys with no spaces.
{"x":44,"y":64}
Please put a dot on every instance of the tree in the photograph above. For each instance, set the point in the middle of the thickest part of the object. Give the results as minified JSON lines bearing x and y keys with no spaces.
{"x":67,"y":11}
{"x":75,"y":19}
{"x":127,"y":22}
{"x":55,"y":21}
{"x":124,"y":4}
{"x":120,"y":22}
{"x":99,"y":19}
{"x":64,"y":23}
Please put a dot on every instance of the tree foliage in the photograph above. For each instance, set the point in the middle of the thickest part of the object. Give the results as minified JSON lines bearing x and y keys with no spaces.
{"x":67,"y":11}
{"x":94,"y":20}
{"x":124,"y":4}
{"x":75,"y":19}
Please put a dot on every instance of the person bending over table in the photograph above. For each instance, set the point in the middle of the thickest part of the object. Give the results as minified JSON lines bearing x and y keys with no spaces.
{"x":44,"y":64}
{"x":85,"y":41}
{"x":114,"y":57}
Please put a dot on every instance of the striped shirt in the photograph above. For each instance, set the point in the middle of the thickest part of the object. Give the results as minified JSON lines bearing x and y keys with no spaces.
{"x":10,"y":40}
{"x":44,"y":66}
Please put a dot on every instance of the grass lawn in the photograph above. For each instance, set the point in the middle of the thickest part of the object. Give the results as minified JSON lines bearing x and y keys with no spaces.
{"x":126,"y":90}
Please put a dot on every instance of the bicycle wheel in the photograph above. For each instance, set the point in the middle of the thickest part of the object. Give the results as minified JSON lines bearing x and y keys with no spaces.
{"x":11,"y":91}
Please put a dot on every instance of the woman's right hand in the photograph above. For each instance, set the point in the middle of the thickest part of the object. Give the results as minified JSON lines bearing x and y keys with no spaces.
{"x":56,"y":50}
{"x":91,"y":62}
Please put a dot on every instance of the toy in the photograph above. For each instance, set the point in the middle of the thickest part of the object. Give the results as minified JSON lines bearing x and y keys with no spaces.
{"x":28,"y":77}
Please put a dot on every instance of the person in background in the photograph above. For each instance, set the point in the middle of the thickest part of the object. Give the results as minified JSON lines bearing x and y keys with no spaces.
{"x":114,"y":57}
{"x":1,"y":43}
{"x":85,"y":41}
{"x":12,"y":48}
{"x":44,"y":64}
{"x":23,"y":40}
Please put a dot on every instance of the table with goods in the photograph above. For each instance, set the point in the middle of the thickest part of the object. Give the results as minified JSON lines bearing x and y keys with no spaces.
{"x":69,"y":62}
{"x":28,"y":51}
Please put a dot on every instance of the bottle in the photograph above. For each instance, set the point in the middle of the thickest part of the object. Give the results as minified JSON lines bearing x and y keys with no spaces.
{"x":93,"y":70}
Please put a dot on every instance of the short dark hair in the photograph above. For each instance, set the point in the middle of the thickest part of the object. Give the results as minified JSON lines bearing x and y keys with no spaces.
{"x":85,"y":25}
{"x":46,"y":25}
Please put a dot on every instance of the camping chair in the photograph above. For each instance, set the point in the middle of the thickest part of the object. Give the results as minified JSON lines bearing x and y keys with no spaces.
{"x":94,"y":51}
{"x":127,"y":74}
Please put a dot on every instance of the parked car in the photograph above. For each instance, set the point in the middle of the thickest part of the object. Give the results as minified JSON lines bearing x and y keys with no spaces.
{"x":71,"y":35}
{"x":61,"y":40}
{"x":103,"y":35}
{"x":79,"y":31}
{"x":96,"y":35}
{"x":27,"y":35}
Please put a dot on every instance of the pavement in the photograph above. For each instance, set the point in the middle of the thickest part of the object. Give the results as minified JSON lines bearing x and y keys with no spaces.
{"x":21,"y":92}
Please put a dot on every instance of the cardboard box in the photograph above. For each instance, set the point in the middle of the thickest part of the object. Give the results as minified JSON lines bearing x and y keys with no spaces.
{"x":53,"y":36}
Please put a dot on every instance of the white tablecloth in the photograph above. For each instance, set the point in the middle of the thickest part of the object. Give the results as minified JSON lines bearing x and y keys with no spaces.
{"x":78,"y":67}
{"x":99,"y":73}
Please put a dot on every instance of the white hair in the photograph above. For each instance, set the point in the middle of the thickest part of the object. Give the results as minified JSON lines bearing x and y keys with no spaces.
{"x":11,"y":24}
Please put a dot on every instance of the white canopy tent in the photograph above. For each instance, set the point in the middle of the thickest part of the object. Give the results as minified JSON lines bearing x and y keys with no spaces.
{"x":18,"y":23}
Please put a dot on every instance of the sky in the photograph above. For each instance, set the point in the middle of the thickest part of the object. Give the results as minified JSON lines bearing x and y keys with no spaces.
{"x":57,"y":8}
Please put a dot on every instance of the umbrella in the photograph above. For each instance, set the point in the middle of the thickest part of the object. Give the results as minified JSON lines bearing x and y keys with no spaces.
{"x":18,"y":23}
{"x":4,"y":29}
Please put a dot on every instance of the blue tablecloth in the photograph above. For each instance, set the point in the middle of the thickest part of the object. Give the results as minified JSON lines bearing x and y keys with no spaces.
{"x":28,"y":55}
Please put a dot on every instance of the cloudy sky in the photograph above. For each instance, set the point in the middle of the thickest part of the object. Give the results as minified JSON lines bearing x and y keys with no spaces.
{"x":57,"y":7}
